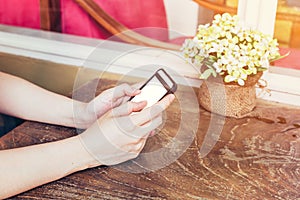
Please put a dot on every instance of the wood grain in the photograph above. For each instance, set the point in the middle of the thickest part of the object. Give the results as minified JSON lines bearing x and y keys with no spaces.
{"x":50,"y":15}
{"x":254,"y":158}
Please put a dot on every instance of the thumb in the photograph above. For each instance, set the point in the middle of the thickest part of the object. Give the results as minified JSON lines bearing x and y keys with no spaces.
{"x":128,"y":108}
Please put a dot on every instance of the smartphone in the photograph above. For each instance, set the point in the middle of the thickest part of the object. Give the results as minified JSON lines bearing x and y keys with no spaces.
{"x":157,"y":87}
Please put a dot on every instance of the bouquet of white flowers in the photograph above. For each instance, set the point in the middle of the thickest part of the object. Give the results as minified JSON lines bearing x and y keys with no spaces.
{"x":227,"y":49}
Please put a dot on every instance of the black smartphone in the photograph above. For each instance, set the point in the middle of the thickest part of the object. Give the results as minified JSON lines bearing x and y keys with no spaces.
{"x":157,"y":87}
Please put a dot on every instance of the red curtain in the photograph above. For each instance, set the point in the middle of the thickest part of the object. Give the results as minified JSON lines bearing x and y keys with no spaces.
{"x":131,"y":13}
{"x":25,"y":13}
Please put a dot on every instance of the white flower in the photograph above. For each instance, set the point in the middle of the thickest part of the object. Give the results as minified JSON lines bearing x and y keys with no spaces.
{"x":241,"y":82}
{"x":218,"y":66}
{"x":230,"y":50}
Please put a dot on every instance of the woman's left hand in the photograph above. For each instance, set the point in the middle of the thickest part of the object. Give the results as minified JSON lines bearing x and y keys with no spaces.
{"x":88,"y":113}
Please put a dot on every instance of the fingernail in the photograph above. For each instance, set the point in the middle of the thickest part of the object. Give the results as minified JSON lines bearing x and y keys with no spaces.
{"x":142,"y":103}
{"x":137,"y":91}
{"x":171,"y":97}
{"x":152,"y":133}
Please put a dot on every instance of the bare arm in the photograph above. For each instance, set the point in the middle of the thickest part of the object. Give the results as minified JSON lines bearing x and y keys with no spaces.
{"x":25,"y":100}
{"x":24,"y":168}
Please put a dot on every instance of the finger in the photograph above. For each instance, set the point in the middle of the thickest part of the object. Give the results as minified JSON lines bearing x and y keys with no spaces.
{"x":126,"y":98}
{"x":124,"y":90}
{"x":140,"y":145}
{"x":138,"y":85}
{"x":166,"y":101}
{"x":144,"y":130}
{"x":128,"y":108}
{"x":149,"y":113}
{"x":152,"y":133}
{"x":104,"y":101}
{"x":118,"y":102}
{"x":123,"y":93}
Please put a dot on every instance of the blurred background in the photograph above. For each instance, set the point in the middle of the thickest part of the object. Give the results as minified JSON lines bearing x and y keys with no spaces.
{"x":174,"y":20}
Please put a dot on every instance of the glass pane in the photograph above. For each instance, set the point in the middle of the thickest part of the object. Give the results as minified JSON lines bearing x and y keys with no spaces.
{"x":287,"y":27}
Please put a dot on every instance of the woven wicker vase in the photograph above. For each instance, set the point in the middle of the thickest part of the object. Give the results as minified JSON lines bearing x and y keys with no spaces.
{"x":230,"y":100}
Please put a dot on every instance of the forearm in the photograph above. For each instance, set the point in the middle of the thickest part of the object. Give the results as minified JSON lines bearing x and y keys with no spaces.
{"x":25,"y":100}
{"x":22,"y":169}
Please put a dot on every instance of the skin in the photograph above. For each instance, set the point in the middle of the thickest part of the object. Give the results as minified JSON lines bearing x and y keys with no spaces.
{"x":114,"y":134}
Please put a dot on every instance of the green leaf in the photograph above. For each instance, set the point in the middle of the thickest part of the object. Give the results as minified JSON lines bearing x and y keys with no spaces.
{"x":283,"y":56}
{"x":214,"y":73}
{"x":206,"y":74}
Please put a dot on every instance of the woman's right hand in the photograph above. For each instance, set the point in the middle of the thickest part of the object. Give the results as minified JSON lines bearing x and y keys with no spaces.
{"x":120,"y":134}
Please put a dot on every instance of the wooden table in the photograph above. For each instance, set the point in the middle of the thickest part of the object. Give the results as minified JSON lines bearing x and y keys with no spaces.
{"x":254,"y":158}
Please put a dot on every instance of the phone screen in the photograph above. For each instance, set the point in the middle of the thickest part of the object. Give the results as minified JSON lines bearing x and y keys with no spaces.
{"x":152,"y":92}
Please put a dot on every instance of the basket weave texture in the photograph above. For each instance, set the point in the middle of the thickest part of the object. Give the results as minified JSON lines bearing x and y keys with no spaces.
{"x":231,"y":100}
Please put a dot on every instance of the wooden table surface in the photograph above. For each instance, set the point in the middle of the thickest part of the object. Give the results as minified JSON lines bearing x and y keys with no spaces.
{"x":254,"y":158}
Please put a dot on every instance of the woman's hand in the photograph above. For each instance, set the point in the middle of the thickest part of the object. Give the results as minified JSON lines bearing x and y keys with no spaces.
{"x":120,"y":134}
{"x":87,"y":113}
